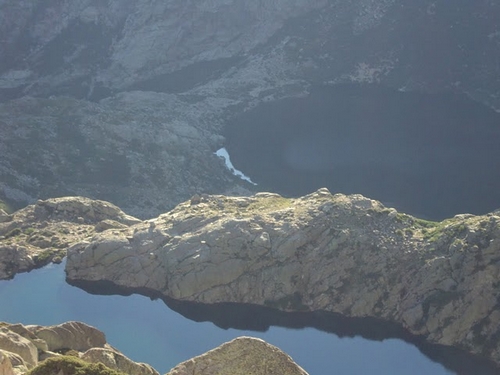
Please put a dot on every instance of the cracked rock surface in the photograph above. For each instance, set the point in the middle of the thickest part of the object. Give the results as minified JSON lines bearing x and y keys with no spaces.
{"x":321,"y":252}
{"x":25,"y":347}
{"x":39,"y":234}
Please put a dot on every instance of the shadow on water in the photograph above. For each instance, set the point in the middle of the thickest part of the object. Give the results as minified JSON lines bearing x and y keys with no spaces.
{"x":430,"y":155}
{"x":259,"y":318}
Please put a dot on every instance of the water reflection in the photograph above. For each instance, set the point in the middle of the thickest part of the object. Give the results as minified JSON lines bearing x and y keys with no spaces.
{"x":148,"y":331}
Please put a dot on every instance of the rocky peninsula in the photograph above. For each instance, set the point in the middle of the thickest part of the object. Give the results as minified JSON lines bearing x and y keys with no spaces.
{"x":337,"y":254}
{"x":334,"y":253}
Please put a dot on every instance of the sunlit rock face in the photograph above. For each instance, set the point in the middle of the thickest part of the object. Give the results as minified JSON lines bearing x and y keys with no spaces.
{"x":39,"y":234}
{"x":348,"y":255}
{"x":68,"y":347}
{"x":149,"y":85}
{"x":243,"y":355}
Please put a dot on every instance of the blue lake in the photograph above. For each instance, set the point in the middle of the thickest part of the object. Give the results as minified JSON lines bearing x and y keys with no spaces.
{"x":148,"y":331}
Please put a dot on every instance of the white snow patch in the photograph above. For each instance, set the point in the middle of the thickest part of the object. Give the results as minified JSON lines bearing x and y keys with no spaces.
{"x":222,"y":153}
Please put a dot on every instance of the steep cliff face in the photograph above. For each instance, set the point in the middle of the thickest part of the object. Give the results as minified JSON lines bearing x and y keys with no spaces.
{"x":143,"y":151}
{"x":201,"y":63}
{"x":81,"y":47}
{"x":342,"y":254}
{"x":114,"y":44}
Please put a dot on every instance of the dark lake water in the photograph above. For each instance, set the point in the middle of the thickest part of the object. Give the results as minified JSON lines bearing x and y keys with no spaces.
{"x":432,"y":156}
{"x":148,"y":331}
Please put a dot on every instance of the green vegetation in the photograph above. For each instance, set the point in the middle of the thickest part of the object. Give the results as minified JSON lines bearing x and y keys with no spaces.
{"x":46,"y":256}
{"x":419,"y":223}
{"x":268,"y":204}
{"x":71,"y":365}
{"x":403,"y":218}
{"x":414,"y":224}
{"x":445,"y":229}
{"x":29,"y":231}
{"x":425,"y":223}
{"x":247,"y":207}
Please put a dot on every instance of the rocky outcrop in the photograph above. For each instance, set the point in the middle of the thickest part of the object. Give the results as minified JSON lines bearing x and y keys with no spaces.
{"x":243,"y":355}
{"x":40,"y":233}
{"x":117,"y":361}
{"x":336,"y":253}
{"x":11,"y":364}
{"x":70,"y":335}
{"x":23,"y":347}
{"x":126,"y":100}
{"x":28,"y":347}
{"x":145,"y":152}
{"x":75,"y":348}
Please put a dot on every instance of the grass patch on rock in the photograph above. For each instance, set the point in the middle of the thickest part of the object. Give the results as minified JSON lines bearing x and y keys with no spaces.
{"x":51,"y":255}
{"x":446,"y":229}
{"x":267,"y":204}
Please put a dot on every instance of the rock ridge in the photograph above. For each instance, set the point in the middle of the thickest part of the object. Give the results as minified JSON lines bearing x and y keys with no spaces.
{"x":39,"y":234}
{"x":344,"y":254}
